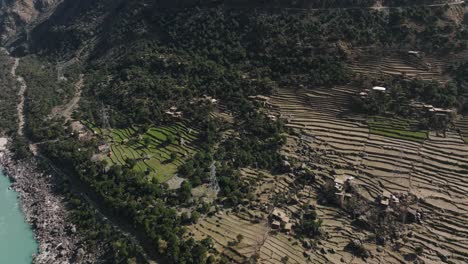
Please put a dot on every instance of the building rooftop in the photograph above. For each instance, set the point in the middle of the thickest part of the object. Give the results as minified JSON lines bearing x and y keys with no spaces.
{"x":260,"y":97}
{"x":276,"y":224}
{"x":280,"y":215}
{"x":379,"y":88}
{"x":343,"y":178}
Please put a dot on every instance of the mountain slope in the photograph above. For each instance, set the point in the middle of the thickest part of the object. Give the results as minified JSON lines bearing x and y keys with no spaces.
{"x":245,"y":106}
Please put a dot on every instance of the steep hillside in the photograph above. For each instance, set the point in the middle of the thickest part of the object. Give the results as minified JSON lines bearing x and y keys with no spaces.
{"x":242,"y":131}
{"x":15,"y":16}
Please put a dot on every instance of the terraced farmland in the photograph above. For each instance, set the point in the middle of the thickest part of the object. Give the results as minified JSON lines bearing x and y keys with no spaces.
{"x":462,"y":124}
{"x":270,"y":246}
{"x":396,"y":64}
{"x":396,"y":128}
{"x":152,"y":150}
{"x":259,"y":239}
{"x":433,"y":169}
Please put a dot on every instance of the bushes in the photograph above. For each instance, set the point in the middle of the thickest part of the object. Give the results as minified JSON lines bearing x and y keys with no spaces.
{"x":357,"y":248}
{"x":327,"y":192}
{"x":309,"y":225}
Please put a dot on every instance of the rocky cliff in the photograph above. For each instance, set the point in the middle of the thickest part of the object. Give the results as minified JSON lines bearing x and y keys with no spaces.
{"x":16,"y":14}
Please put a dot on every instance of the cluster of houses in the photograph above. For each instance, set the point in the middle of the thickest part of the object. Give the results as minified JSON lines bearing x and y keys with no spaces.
{"x":365,"y":93}
{"x":205,"y":99}
{"x":263,"y":100}
{"x":398,"y":203}
{"x":280,"y":220}
{"x":389,"y":199}
{"x":104,"y":148}
{"x":418,"y":57}
{"x":391,"y":202}
{"x":343,"y":184}
{"x":81,"y":131}
{"x":413,"y":53}
{"x":209,"y":99}
{"x":175,"y":113}
{"x":427,"y":108}
{"x":172,"y":112}
{"x":423,"y":108}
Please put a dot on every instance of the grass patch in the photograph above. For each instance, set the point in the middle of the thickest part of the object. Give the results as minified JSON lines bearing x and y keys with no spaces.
{"x":396,"y":128}
{"x":152,"y":150}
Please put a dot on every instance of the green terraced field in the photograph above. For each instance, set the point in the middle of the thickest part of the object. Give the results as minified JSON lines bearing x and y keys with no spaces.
{"x":396,"y":128}
{"x":151,"y":150}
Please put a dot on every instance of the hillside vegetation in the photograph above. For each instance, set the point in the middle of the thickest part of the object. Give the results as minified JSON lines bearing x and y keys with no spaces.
{"x":255,"y":106}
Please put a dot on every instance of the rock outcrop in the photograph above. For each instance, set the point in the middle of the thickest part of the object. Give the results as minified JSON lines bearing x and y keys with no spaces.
{"x":45,"y":210}
{"x":16,"y":14}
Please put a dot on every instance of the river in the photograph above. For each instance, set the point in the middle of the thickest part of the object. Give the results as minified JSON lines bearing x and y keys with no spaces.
{"x":17,"y":243}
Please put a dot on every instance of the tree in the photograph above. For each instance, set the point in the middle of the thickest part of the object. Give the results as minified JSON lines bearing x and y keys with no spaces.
{"x":173,"y":156}
{"x":239,"y":237}
{"x":195,"y":216}
{"x":21,"y":148}
{"x":147,"y":141}
{"x":419,"y":250}
{"x":170,"y":139}
{"x":199,"y":253}
{"x":131,"y":163}
{"x":185,"y":191}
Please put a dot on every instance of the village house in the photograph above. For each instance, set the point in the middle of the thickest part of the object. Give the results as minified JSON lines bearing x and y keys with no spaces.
{"x":388,"y":199}
{"x":280,"y":215}
{"x":264,"y":100}
{"x":273,"y":118}
{"x":379,"y":89}
{"x":210,"y":99}
{"x":280,"y":219}
{"x":431,"y":109}
{"x":103,"y":148}
{"x":275,"y":224}
{"x":414,"y":53}
{"x":342,"y":184}
{"x":260,"y":98}
{"x":441,"y":111}
{"x":342,"y":197}
{"x":173,"y":112}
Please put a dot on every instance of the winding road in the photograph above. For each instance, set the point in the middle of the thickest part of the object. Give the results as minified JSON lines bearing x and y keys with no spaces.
{"x":21,"y":93}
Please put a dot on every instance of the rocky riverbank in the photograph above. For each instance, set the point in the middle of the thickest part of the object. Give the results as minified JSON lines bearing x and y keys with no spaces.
{"x":45,"y":210}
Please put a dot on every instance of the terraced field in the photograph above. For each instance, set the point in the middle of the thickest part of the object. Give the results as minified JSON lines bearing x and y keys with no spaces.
{"x":434,"y":169}
{"x":259,"y":239}
{"x":152,"y":151}
{"x":462,"y":124}
{"x":395,"y":63}
{"x":396,"y":128}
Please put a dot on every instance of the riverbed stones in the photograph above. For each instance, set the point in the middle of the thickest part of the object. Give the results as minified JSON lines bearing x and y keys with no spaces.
{"x":45,"y":211}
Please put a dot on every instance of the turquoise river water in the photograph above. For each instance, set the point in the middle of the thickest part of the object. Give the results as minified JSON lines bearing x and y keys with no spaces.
{"x":17,"y":243}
